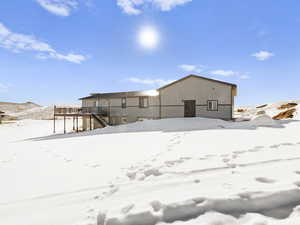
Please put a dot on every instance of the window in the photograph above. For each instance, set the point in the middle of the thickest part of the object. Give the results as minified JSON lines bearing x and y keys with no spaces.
{"x":212,"y":105}
{"x":123,"y":103}
{"x":143,"y":102}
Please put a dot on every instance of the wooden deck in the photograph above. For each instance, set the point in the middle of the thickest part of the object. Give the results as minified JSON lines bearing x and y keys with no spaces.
{"x":92,"y":113}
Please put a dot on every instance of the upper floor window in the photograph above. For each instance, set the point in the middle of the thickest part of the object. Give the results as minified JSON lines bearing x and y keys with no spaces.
{"x":144,"y":102}
{"x":212,"y":105}
{"x":123,"y":103}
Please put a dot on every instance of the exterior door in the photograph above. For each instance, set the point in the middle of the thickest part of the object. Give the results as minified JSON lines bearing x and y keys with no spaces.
{"x":189,"y":108}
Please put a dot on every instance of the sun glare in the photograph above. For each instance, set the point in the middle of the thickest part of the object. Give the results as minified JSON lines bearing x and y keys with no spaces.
{"x":148,"y":37}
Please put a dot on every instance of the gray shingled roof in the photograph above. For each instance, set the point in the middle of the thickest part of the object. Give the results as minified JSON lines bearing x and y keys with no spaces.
{"x":120,"y":94}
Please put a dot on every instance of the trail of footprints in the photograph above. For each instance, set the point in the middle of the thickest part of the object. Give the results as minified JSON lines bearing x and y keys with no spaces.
{"x":56,"y":155}
{"x":143,"y":170}
{"x":146,"y":170}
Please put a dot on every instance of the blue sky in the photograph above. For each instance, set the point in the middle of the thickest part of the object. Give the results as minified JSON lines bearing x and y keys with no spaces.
{"x":55,"y":51}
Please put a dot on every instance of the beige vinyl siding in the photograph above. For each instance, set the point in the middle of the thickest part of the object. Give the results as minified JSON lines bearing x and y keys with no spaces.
{"x":89,"y":102}
{"x":132,"y":112}
{"x":198,"y":89}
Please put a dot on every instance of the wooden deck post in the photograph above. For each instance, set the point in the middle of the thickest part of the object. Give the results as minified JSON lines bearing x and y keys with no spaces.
{"x":76,"y":123}
{"x":73,"y":123}
{"x":54,"y":120}
{"x":64,"y":124}
{"x":109,"y":113}
{"x":90,"y":122}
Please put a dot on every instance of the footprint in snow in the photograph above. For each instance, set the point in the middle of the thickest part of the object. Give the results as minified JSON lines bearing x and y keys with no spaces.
{"x":248,"y":195}
{"x":234,"y":156}
{"x":127,"y":209}
{"x":287,"y":144}
{"x":210,"y":156}
{"x":68,"y":160}
{"x":265,"y":180}
{"x":131,"y":175}
{"x":239,"y":152}
{"x":95,"y":166}
{"x":196,"y":181}
{"x":202,"y":158}
{"x":274,"y":146}
{"x":253,"y":150}
{"x":90,"y":210}
{"x":185,"y":158}
{"x":226,"y":160}
{"x":156,"y":205}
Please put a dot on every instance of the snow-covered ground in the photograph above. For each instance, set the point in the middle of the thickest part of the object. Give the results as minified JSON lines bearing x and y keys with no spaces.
{"x":175,"y":171}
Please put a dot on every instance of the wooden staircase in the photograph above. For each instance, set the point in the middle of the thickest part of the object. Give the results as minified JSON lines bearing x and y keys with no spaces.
{"x":100,"y":120}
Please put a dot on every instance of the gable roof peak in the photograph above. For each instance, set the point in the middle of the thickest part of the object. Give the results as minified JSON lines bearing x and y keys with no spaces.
{"x":197,"y":76}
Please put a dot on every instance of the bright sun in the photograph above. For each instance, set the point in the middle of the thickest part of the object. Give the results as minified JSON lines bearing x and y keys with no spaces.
{"x":148,"y":37}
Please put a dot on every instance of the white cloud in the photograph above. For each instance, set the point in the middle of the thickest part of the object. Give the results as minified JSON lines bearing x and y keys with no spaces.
{"x":167,"y":5}
{"x":151,"y":82}
{"x":230,"y":73}
{"x":129,"y":6}
{"x":59,"y":7}
{"x":262,"y":55}
{"x":20,"y":42}
{"x":133,"y":7}
{"x":191,"y":68}
{"x":225,"y":73}
{"x":244,"y":77}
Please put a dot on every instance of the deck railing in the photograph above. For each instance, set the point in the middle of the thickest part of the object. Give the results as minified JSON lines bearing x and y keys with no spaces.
{"x":67,"y":110}
{"x":82,"y":110}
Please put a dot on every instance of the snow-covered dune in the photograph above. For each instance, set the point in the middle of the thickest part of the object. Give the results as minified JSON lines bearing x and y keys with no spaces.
{"x":271,"y":109}
{"x":158,"y":172}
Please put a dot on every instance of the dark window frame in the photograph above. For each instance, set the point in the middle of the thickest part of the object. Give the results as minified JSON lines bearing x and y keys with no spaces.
{"x":213,"y":110}
{"x":124,"y":104}
{"x":140,"y":101}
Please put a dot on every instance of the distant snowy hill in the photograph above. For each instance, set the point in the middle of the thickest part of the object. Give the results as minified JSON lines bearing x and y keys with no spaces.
{"x":10,"y":107}
{"x":38,"y":113}
{"x":30,"y":110}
